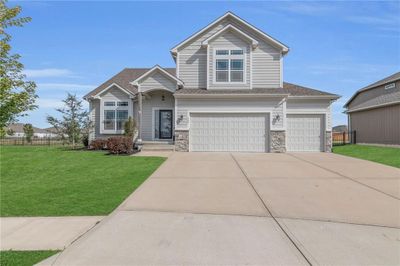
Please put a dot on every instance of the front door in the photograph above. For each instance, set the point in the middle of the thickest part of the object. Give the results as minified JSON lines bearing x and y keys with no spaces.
{"x":165,"y":124}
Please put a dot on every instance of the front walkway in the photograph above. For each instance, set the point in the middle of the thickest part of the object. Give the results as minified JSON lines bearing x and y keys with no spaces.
{"x":43,"y":233}
{"x":225,"y":209}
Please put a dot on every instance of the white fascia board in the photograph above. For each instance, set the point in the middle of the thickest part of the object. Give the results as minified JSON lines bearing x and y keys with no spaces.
{"x":328,"y":97}
{"x":372,"y":107}
{"x":97,"y":95}
{"x":156,"y":67}
{"x":254,"y":43}
{"x":284,"y":48}
{"x":232,"y":95}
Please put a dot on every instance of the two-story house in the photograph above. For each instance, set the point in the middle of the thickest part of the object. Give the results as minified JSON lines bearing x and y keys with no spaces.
{"x":225,"y":94}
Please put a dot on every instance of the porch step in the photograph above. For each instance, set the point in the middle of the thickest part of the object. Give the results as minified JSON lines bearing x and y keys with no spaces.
{"x":157,"y":142}
{"x":158,"y":147}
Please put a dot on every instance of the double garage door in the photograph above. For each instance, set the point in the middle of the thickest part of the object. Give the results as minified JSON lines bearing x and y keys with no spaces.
{"x":250,"y":132}
{"x":229,"y":132}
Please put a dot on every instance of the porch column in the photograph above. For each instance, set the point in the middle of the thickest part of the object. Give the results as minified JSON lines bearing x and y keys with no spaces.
{"x":140,"y":114}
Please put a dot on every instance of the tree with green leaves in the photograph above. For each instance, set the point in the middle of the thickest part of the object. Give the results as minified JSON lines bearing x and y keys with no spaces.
{"x":75,"y":122}
{"x":130,"y":127}
{"x":17,"y":95}
{"x":10,"y":132}
{"x":28,"y":130}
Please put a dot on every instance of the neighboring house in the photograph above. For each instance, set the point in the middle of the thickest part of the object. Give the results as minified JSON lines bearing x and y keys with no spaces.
{"x":339,"y":128}
{"x":225,"y":94}
{"x":18,"y":129}
{"x":374,"y":112}
{"x":52,"y":132}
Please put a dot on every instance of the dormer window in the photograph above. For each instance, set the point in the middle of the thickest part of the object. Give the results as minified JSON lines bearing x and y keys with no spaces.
{"x":229,"y":66}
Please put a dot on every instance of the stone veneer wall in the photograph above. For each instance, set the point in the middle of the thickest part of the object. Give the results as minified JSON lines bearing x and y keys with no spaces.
{"x":328,"y":141}
{"x":277,"y":140}
{"x":181,"y":140}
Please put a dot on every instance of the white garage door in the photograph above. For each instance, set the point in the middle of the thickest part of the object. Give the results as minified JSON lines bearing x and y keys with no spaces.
{"x":304,"y":133}
{"x":228,"y":132}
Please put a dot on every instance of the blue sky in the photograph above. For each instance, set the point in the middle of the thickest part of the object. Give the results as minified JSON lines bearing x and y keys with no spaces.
{"x":74,"y":46}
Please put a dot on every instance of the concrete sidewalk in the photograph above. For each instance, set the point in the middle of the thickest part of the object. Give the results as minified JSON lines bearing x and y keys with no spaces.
{"x":43,"y":233}
{"x":222,"y":208}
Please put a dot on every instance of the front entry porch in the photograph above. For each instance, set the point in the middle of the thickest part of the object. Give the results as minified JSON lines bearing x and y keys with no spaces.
{"x":156,"y":117}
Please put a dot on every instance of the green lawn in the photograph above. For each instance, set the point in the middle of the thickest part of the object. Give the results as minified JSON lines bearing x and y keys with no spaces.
{"x":24,"y":258}
{"x":52,"y":181}
{"x":384,"y":155}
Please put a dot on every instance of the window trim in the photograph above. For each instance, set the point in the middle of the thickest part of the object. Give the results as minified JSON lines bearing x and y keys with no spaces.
{"x":229,"y":57}
{"x":114,"y":108}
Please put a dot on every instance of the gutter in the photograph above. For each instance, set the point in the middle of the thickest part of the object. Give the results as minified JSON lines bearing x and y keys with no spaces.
{"x":229,"y":95}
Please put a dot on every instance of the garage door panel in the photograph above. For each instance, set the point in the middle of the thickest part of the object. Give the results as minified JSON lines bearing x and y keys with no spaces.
{"x":228,"y":132}
{"x":304,"y":132}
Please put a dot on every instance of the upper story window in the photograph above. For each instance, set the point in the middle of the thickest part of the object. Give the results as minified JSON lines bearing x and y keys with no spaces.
{"x":115,"y":115}
{"x":229,"y":65}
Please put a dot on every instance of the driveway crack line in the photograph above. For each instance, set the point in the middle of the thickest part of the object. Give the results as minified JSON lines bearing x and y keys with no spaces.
{"x":349,"y":178}
{"x":273,"y":217}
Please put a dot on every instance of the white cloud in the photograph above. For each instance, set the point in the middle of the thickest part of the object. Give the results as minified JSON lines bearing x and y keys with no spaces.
{"x":375,"y":20}
{"x":48,"y":72}
{"x":308,"y":8}
{"x":64,"y":86}
{"x":49,"y":103}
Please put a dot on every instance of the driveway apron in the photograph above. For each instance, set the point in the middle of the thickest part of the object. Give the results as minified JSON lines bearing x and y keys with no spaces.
{"x":222,"y":208}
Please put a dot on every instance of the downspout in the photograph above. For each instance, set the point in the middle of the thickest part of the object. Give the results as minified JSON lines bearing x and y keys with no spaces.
{"x":140,"y":98}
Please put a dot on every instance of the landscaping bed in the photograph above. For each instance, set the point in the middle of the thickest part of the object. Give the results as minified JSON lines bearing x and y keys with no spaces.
{"x":54,"y":181}
{"x":385,"y":155}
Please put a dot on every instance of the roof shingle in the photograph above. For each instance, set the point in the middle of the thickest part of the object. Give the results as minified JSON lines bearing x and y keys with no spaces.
{"x":127,"y":75}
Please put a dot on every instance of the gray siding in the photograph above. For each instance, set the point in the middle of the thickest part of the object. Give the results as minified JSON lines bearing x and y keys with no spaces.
{"x":229,"y":40}
{"x":192,"y":69}
{"x":372,"y":93}
{"x":158,"y":81}
{"x":154,"y":100}
{"x":380,"y":125}
{"x":248,"y":105}
{"x":192,"y":62}
{"x":113,"y":94}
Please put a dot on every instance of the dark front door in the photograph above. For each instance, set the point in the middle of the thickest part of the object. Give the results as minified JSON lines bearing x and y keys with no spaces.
{"x":165,"y":124}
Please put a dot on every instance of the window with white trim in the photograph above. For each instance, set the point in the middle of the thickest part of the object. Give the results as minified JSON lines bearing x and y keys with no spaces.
{"x":229,"y":66}
{"x":115,"y":115}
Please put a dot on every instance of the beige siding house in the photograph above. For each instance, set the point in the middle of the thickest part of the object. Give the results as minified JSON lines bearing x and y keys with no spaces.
{"x":374,"y":112}
{"x":225,"y":94}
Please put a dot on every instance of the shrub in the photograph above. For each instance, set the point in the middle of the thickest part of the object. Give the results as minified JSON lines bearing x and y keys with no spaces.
{"x":85,"y":140}
{"x":98,"y":144}
{"x":120,"y":145}
{"x":130,"y":127}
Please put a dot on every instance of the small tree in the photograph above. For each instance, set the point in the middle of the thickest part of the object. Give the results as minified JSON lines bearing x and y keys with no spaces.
{"x":28,"y":130}
{"x":74,"y":120}
{"x":16,"y":94}
{"x":130,"y":127}
{"x":10,"y":132}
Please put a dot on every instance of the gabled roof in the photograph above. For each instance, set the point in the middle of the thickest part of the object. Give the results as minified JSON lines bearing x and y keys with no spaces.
{"x":123,"y":79}
{"x":153,"y":69}
{"x":19,"y":128}
{"x":266,"y":37}
{"x":230,"y":27}
{"x":389,"y":79}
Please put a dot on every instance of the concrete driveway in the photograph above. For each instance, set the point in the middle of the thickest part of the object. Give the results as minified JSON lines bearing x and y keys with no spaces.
{"x":223,"y":208}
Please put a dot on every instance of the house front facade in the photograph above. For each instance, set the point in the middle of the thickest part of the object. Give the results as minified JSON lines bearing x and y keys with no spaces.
{"x":374,"y":112}
{"x":226,"y":93}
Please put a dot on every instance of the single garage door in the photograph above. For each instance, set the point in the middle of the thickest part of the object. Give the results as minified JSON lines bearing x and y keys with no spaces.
{"x":305,"y":133}
{"x":228,"y":132}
